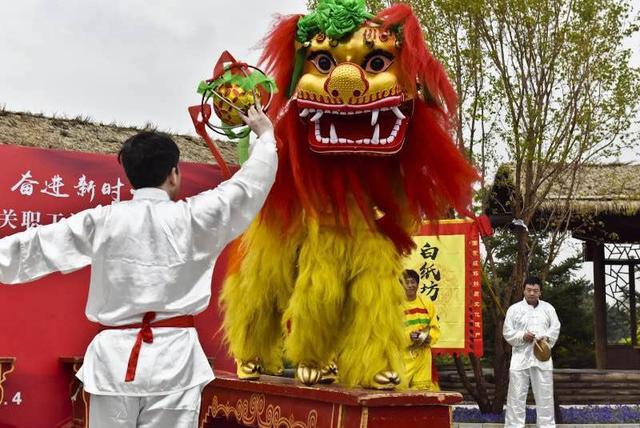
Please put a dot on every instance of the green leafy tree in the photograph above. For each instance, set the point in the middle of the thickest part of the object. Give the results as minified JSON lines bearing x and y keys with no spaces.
{"x":547,"y":86}
{"x":572,"y":297}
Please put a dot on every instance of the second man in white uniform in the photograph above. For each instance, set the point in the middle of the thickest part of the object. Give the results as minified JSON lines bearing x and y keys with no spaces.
{"x":527,"y":322}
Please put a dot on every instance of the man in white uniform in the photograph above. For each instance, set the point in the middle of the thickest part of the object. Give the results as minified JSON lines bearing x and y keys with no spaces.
{"x":152,"y":261}
{"x":527,"y":322}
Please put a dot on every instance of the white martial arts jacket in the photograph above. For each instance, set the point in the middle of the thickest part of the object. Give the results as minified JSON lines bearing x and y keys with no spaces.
{"x":541,"y":320}
{"x":147,"y":254}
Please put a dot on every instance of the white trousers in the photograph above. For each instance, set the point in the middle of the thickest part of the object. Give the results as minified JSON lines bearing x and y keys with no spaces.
{"x":542,"y":385}
{"x":179,"y":410}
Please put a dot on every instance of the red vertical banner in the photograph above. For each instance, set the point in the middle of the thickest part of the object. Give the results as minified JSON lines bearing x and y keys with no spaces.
{"x":447,"y":260}
{"x":44,"y":320}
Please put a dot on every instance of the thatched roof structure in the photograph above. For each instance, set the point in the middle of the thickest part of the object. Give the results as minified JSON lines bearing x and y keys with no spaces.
{"x":81,"y":134}
{"x":599,"y":189}
{"x":608,"y":194}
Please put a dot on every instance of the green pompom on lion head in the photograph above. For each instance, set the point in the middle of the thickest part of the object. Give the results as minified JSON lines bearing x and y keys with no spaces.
{"x":334,"y":18}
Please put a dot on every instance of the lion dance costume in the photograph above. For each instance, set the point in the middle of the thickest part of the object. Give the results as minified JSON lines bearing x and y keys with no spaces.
{"x":365,"y":147}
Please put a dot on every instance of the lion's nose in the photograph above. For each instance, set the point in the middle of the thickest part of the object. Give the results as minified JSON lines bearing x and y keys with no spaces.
{"x":346,"y":81}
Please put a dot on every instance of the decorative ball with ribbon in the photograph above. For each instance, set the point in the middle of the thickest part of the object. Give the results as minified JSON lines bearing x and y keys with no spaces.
{"x":230,"y":95}
{"x":234,"y":87}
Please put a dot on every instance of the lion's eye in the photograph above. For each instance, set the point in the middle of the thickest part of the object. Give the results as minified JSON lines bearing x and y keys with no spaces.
{"x":323,"y":62}
{"x":378,"y":63}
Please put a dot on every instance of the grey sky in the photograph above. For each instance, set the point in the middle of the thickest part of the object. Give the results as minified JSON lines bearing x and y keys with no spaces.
{"x":129,"y":61}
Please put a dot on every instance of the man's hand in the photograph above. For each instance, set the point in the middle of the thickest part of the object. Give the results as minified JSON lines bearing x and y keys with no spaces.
{"x":420,"y":338}
{"x":528,"y":337}
{"x":257,"y":121}
{"x":427,"y":340}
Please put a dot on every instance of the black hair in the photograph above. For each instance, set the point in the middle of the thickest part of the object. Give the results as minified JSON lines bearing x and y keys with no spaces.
{"x":412,"y":274}
{"x":531,"y":280}
{"x":148,"y":158}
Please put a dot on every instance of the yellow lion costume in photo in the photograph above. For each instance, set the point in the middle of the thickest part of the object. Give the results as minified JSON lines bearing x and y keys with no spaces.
{"x":365,"y":154}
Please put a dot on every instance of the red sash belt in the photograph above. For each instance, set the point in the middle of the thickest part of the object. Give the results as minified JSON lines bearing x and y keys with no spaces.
{"x":146,"y":335}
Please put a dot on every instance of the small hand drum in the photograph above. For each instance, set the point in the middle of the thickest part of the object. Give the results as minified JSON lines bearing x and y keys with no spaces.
{"x":541,"y":350}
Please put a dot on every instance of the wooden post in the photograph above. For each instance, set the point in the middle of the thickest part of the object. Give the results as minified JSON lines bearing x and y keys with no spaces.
{"x":632,"y":305}
{"x":600,"y":305}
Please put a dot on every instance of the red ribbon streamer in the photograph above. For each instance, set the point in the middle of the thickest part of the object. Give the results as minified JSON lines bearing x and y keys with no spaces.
{"x":200,"y":115}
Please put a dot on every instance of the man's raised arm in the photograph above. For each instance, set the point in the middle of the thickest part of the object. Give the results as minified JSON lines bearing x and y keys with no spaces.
{"x":225,"y":212}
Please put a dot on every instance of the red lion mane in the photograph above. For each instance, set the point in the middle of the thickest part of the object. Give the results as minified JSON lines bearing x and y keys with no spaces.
{"x":428,"y":177}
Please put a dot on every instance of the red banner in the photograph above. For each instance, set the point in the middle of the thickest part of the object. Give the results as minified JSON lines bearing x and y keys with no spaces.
{"x":44,"y":320}
{"x":40,"y":186}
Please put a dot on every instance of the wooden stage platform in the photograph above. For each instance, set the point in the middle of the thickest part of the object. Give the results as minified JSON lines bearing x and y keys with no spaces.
{"x":280,"y":402}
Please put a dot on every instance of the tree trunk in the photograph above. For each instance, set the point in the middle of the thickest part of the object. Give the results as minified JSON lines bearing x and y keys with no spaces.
{"x":484,"y":401}
{"x":502,"y":350}
{"x":520,"y":269}
{"x":479,"y":392}
{"x":501,"y":361}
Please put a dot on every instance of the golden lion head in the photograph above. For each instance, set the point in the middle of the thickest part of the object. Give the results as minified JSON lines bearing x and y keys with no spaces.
{"x":350,"y":93}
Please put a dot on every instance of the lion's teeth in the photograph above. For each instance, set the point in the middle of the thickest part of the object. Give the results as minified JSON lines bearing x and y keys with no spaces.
{"x":375,"y":139}
{"x":398,"y":113}
{"x":333,"y":135}
{"x":317,"y":116}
